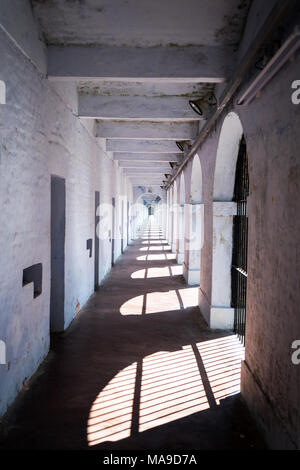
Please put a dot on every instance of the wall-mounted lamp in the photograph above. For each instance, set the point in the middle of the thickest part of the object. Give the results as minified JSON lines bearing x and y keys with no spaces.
{"x":180,"y":146}
{"x":203,"y":105}
{"x":183,"y":145}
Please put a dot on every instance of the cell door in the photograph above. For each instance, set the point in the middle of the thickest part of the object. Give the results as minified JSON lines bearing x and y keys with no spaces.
{"x":240,"y":243}
{"x":58,"y":223}
{"x":97,"y":228}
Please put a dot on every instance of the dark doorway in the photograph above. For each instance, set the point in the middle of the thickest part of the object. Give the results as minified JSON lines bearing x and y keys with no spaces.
{"x":97,"y":228}
{"x":58,"y":224}
{"x":113,"y":209}
{"x":240,"y":243}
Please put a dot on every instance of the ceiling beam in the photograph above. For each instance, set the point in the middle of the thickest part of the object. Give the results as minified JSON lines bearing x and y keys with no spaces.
{"x":141,"y":146}
{"x":136,"y":107}
{"x":155,"y":178}
{"x":191,"y":63}
{"x":147,"y":183}
{"x":153,"y":185}
{"x":144,"y":164}
{"x":147,"y":130}
{"x":148,"y":179}
{"x":123,"y":88}
{"x":145,"y":171}
{"x":148,"y":157}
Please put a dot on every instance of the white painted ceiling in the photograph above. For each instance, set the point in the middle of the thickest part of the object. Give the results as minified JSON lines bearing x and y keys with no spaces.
{"x":139,"y":113}
{"x":141,"y":23}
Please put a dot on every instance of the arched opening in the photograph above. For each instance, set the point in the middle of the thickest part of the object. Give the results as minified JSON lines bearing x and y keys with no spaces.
{"x":194,"y":226}
{"x":229,"y":237}
{"x":240,"y":243}
{"x":228,"y":148}
{"x":196,"y":181}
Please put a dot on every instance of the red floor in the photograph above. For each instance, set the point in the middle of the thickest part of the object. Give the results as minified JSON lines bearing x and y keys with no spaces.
{"x":138,"y":369}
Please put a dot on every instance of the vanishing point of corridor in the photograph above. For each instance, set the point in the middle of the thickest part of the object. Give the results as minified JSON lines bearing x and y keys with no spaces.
{"x":137,"y":369}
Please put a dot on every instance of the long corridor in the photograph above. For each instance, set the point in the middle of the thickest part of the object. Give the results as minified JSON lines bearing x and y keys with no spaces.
{"x":137,"y":369}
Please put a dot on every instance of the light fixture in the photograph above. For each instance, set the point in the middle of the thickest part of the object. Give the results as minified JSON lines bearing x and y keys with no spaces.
{"x":180,"y":146}
{"x":286,"y":51}
{"x":183,"y":145}
{"x":267,"y":52}
{"x":202,"y":105}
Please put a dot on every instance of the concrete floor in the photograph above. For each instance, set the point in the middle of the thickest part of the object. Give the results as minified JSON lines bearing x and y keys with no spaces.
{"x":137,"y":369}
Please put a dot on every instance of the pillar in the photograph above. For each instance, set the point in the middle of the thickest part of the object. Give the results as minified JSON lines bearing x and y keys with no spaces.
{"x":194,"y":224}
{"x":220,"y":314}
{"x":180,"y":234}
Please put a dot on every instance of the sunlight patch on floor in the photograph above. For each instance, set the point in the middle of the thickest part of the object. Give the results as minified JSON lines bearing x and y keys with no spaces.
{"x":166,"y":386}
{"x":155,"y":242}
{"x":157,"y":272}
{"x":222,"y":361}
{"x":171,"y":388}
{"x":155,"y":302}
{"x":156,"y":248}
{"x":189,"y":296}
{"x":163,"y":256}
{"x":111,"y":413}
{"x":133,"y":306}
{"x":177,"y":270}
{"x":159,"y":238}
{"x":140,"y":274}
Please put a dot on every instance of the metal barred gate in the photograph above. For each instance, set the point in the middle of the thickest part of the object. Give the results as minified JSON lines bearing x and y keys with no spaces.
{"x":240,"y":243}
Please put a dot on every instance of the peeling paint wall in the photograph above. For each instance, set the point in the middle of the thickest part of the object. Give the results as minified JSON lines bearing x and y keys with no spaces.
{"x":273,"y":320}
{"x":270,"y":381}
{"x":40,"y":136}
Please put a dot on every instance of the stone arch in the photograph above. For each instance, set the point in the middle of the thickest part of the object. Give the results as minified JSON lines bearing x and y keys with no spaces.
{"x":196,"y":193}
{"x":220,"y":314}
{"x":227,"y":152}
